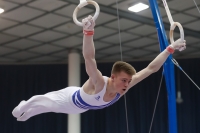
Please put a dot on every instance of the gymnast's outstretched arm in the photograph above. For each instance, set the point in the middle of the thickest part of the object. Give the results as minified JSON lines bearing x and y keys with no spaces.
{"x":156,"y":64}
{"x":95,"y":75}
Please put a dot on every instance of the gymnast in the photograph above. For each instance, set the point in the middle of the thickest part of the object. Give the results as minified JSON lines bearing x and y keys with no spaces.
{"x":98,"y":91}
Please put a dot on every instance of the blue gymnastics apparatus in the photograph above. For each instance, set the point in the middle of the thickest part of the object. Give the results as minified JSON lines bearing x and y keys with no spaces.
{"x":168,"y":65}
{"x":170,"y":62}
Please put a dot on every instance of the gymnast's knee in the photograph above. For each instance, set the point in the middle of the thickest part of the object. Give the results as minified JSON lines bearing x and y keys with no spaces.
{"x":42,"y":100}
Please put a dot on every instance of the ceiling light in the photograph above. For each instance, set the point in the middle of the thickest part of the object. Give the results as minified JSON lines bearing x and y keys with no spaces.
{"x":138,"y":7}
{"x":1,"y":10}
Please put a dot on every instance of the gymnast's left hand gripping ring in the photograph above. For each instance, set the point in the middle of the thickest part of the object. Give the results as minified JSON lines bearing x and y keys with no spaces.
{"x":82,"y":4}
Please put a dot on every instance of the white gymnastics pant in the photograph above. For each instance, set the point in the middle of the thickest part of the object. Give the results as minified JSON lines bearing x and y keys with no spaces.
{"x":56,"y":101}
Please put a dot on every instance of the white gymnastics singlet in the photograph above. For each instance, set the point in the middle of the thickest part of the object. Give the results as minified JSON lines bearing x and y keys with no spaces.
{"x":73,"y":100}
{"x":85,"y":101}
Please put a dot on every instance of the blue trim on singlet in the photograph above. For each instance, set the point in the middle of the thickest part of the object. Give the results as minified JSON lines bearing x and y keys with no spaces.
{"x":78,"y":101}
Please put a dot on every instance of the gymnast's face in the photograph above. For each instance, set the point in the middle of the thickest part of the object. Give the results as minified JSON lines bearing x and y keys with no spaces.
{"x":121,"y":81}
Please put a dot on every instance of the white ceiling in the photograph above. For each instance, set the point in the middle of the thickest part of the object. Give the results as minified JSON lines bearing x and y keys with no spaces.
{"x":42,"y":31}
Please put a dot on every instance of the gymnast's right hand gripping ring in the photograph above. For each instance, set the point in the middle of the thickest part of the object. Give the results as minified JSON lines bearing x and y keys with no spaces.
{"x":82,"y":4}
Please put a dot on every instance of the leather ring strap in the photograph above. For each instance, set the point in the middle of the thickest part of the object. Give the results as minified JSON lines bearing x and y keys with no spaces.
{"x":173,"y":24}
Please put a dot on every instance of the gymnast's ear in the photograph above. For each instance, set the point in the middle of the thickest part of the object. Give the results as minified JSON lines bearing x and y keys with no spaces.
{"x":112,"y":76}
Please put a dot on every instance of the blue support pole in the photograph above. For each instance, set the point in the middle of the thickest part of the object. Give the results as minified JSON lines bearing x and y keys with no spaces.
{"x":168,"y":67}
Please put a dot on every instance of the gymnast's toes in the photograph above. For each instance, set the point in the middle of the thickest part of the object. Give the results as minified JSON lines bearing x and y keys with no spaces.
{"x":23,"y":117}
{"x":16,"y":112}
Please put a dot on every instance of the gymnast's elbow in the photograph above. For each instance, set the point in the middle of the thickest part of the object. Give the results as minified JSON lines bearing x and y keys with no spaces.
{"x":88,"y":55}
{"x":153,"y":68}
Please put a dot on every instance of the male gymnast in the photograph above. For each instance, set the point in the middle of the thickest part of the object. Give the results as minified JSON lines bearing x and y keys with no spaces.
{"x":98,"y":91}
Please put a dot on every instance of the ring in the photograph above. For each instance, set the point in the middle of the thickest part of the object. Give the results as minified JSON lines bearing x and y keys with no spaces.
{"x":82,"y":4}
{"x":173,"y":25}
